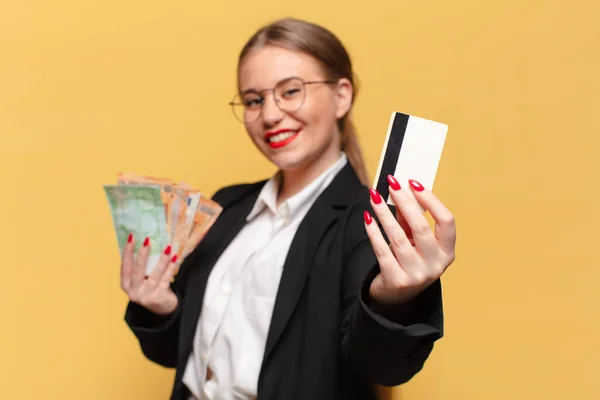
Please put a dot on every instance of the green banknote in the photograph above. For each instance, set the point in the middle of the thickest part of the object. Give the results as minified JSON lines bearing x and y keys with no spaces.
{"x":139,"y":209}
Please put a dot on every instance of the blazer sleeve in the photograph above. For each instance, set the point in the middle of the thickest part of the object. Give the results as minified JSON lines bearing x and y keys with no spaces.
{"x":388,"y":345}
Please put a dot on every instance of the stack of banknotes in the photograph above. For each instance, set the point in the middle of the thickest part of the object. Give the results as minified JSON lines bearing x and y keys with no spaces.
{"x":161,"y":210}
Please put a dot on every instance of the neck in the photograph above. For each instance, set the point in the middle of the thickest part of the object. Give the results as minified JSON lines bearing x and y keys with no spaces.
{"x":294,"y":180}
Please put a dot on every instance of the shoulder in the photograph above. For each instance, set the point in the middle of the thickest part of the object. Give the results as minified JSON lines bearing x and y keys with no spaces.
{"x":358,"y":202}
{"x":230,"y":194}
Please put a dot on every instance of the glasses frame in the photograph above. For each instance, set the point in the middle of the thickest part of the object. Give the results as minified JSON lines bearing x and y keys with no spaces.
{"x":233,"y":103}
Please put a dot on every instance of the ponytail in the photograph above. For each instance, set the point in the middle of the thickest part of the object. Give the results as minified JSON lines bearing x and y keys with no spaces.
{"x":352,"y":148}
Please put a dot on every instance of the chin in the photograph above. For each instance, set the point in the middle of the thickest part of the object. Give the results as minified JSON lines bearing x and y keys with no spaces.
{"x":287,"y":165}
{"x":287,"y":162}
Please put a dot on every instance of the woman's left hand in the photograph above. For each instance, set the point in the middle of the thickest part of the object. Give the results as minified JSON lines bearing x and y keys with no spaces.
{"x":416,"y":256}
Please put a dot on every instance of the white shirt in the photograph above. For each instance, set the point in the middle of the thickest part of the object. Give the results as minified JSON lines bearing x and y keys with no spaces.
{"x":238,"y":303}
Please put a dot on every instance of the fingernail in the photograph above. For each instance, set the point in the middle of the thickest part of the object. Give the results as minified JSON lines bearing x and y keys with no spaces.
{"x":368,"y":218}
{"x":174,"y":258}
{"x":375,"y":196}
{"x":146,"y":242}
{"x":393,"y":182}
{"x":416,"y":185}
{"x":130,"y":238}
{"x":168,"y":250}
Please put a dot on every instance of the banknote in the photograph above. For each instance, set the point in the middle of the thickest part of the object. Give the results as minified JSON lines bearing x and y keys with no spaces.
{"x":206,"y":214}
{"x":138,"y":209}
{"x":166,"y":212}
{"x":166,"y":189}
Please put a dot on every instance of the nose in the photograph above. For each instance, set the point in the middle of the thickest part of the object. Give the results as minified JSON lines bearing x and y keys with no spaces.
{"x":272,"y":114}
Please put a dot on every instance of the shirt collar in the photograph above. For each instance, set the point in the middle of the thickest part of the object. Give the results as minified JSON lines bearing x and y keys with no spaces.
{"x":268,"y":194}
{"x":267,"y":197}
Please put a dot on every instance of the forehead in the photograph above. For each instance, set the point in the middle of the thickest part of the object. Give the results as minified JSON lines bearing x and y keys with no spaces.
{"x":264,"y":67}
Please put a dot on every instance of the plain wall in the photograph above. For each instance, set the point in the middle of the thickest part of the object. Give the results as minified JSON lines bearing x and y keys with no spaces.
{"x":90,"y":88}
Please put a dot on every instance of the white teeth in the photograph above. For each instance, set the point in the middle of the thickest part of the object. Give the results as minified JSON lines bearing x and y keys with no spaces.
{"x":281,"y":137}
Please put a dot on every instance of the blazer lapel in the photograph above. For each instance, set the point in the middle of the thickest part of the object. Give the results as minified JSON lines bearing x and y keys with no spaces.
{"x":326,"y":209}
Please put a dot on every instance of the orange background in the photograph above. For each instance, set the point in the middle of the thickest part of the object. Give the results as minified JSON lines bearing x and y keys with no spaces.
{"x":90,"y":88}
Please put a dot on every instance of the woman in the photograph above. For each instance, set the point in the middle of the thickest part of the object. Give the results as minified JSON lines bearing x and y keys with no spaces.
{"x":295,"y":293}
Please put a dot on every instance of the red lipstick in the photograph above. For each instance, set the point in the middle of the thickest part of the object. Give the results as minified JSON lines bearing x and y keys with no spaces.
{"x":284,"y":142}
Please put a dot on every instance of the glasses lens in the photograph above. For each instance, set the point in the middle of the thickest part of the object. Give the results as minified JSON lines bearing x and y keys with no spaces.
{"x":238,"y":108}
{"x":290,"y":94}
{"x":246,"y":108}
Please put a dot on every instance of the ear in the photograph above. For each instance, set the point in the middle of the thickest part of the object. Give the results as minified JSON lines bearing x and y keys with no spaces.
{"x":344,"y":94}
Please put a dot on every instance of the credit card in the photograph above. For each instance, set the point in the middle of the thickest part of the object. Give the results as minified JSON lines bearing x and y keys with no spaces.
{"x":412,"y":150}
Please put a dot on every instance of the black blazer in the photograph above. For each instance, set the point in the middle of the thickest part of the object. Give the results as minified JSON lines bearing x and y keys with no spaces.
{"x":326,"y":340}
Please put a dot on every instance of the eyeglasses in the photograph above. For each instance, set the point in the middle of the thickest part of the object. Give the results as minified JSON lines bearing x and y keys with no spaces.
{"x":289,"y":95}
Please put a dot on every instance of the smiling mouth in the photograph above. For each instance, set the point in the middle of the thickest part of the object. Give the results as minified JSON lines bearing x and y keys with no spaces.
{"x":280,"y":139}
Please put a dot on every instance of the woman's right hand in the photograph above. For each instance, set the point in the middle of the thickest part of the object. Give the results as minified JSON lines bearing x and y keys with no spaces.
{"x":153,"y":292}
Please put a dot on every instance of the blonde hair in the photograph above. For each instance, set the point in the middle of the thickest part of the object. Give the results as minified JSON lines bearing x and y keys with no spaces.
{"x":325,"y":47}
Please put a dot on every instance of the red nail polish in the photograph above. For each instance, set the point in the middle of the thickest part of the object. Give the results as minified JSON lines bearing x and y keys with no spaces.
{"x":174,"y":258}
{"x":375,"y":196}
{"x":168,"y":250}
{"x":416,"y":185}
{"x":146,"y":242}
{"x":130,"y":238}
{"x":393,"y":182}
{"x":368,"y":218}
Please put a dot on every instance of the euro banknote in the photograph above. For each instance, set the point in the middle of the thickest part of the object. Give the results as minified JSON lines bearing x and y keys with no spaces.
{"x":165,"y":212}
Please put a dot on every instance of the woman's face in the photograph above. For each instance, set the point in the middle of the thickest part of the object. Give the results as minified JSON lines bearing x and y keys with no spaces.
{"x":298,"y":139}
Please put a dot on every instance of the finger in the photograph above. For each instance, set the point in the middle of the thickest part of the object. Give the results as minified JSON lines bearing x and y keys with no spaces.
{"x":139,"y":273}
{"x":127,"y":262}
{"x":394,"y":185}
{"x":403,"y":224}
{"x":405,"y":227}
{"x":165,"y":280}
{"x":390,"y":268}
{"x":399,"y":243}
{"x":159,"y":269}
{"x":445,"y":225}
{"x":423,"y":237}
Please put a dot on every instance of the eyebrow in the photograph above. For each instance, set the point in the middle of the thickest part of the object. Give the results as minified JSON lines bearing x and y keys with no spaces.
{"x":253,"y":90}
{"x":249,"y":91}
